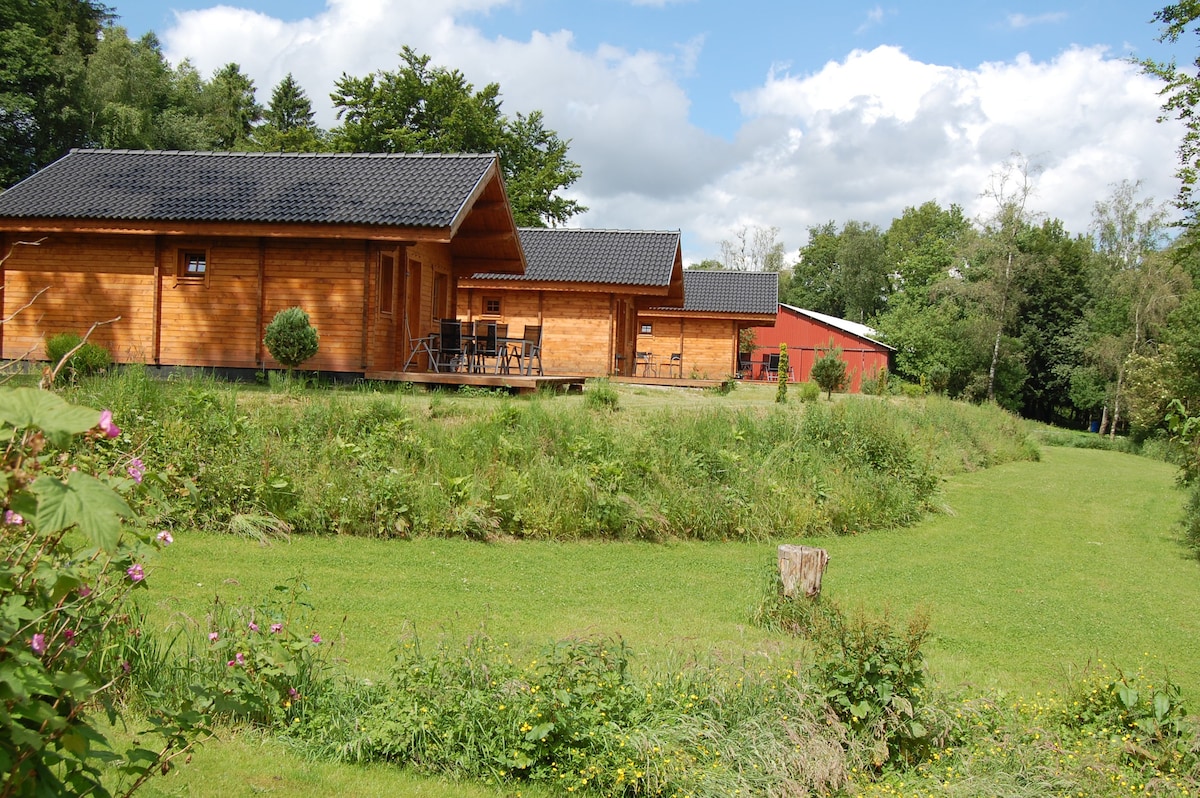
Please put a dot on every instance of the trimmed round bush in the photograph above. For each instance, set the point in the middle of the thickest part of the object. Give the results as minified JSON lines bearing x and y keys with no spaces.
{"x":291,"y":339}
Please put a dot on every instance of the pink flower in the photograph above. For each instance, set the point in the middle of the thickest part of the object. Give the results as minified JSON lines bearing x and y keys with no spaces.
{"x":106,"y":424}
{"x":292,"y":692}
{"x":38,"y":644}
{"x":240,"y":658}
{"x":136,"y":469}
{"x":135,"y":573}
{"x":13,"y":518}
{"x":276,"y":628}
{"x":84,"y":591}
{"x":253,"y":627}
{"x":316,"y":638}
{"x":213,"y":637}
{"x":125,"y":666}
{"x":164,"y":538}
{"x":69,"y":635}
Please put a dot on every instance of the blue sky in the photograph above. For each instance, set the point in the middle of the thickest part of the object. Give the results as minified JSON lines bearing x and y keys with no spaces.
{"x":714,"y":117}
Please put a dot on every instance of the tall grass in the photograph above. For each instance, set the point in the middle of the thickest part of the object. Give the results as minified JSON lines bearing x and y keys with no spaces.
{"x":485,"y":467}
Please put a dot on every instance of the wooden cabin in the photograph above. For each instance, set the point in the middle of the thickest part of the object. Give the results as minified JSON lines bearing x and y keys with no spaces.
{"x":700,"y":340}
{"x":185,"y":257}
{"x":807,"y":333}
{"x":585,"y":289}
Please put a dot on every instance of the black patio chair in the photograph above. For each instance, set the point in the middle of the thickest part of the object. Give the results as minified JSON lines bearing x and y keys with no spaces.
{"x":451,"y":356}
{"x":484,"y":346}
{"x":773,"y":366}
{"x":745,"y":366}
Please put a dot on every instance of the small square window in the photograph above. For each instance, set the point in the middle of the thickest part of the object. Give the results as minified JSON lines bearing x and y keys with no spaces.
{"x":647,"y":329}
{"x":491,"y":306}
{"x":193,"y":264}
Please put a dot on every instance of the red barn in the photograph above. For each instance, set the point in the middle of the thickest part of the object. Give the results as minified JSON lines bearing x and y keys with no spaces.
{"x":806,"y":332}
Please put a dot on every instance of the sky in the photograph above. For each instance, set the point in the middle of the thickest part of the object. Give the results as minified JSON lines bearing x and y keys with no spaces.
{"x":717,"y":117}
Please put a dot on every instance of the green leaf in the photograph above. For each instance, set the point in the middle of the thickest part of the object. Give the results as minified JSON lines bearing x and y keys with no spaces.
{"x":1162,"y":706}
{"x":539,"y":732}
{"x":1128,"y":696}
{"x":33,"y":407}
{"x":81,"y":500}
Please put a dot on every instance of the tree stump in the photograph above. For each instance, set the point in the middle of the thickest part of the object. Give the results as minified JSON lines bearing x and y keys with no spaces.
{"x":801,"y":567}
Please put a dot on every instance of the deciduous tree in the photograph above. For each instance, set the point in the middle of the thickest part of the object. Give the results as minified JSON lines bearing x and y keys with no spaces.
{"x":423,"y":108}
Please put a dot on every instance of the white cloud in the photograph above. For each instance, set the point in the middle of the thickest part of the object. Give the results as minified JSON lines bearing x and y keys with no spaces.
{"x":1024,"y":21}
{"x":874,"y":17}
{"x":860,"y":138}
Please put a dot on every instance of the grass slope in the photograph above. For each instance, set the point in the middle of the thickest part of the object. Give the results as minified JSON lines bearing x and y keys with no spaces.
{"x":1035,"y":567}
{"x":1039,"y":568}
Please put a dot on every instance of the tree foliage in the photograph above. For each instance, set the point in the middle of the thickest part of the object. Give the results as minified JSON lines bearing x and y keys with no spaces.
{"x":44,"y":48}
{"x":423,"y":108}
{"x":829,"y":370}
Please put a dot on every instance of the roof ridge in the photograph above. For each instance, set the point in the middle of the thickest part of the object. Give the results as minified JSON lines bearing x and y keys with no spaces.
{"x":592,"y":230}
{"x":256,"y":154}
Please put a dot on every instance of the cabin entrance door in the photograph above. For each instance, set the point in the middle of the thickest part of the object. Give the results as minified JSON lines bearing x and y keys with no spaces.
{"x":391,"y":337}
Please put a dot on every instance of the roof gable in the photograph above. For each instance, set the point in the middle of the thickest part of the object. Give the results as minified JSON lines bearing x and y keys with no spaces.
{"x":609,"y":257}
{"x":281,"y":188}
{"x":850,"y":327}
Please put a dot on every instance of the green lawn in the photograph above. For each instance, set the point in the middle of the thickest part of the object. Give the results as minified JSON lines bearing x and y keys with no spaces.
{"x":1032,"y":568}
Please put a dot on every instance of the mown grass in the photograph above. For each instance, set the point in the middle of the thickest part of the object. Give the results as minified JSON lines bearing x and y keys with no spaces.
{"x":1031,"y":573}
{"x":1035,"y":573}
{"x":1031,"y":568}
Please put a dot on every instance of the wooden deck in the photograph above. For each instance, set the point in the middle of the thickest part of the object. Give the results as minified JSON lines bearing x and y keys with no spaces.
{"x":521,"y":384}
{"x":514,"y":383}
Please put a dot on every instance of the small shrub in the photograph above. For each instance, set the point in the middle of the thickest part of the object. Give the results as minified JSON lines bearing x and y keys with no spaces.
{"x":1144,"y":713}
{"x":73,"y":553}
{"x":869,"y":670}
{"x":1191,"y":519}
{"x":809,"y":391}
{"x":290,"y":338}
{"x":599,"y":394}
{"x":85,"y":361}
{"x":782,"y":375}
{"x":829,"y":371}
{"x":876,"y":383}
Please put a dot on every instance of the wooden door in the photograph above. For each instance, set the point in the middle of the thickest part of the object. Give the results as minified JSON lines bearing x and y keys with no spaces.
{"x":385,"y":311}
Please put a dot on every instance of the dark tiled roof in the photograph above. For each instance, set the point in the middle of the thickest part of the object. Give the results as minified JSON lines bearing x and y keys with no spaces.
{"x":706,"y":291}
{"x":145,"y":185}
{"x":614,"y":257}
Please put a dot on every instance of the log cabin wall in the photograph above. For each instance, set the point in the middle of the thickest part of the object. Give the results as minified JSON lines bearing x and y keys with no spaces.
{"x":216,"y":320}
{"x":577,"y":326}
{"x":707,"y":347}
{"x":89,"y":279}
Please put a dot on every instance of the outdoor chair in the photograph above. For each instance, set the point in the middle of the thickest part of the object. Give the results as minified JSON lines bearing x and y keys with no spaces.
{"x":675,"y":364}
{"x":527,"y":349}
{"x":745,"y":367}
{"x":772,"y":367}
{"x":450,"y":353}
{"x":417,"y":346}
{"x":484,"y":346}
{"x":646,"y":361}
{"x":764,"y":366}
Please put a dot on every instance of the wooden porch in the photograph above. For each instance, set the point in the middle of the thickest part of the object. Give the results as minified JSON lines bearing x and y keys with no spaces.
{"x":514,"y":383}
